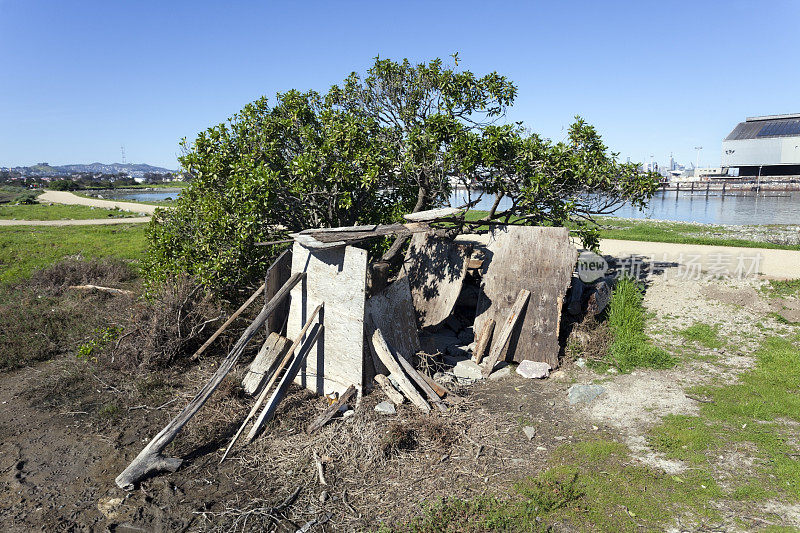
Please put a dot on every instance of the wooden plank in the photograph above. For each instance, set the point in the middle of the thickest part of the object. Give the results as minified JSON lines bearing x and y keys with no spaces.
{"x":421,"y":383}
{"x":337,"y":277}
{"x":326,"y":415}
{"x":277,"y":274}
{"x":436,"y":268}
{"x":432,"y":214}
{"x":507,"y":331}
{"x":150,"y":459}
{"x":280,"y":391}
{"x":406,"y":387}
{"x":264,"y":363}
{"x":393,"y":394}
{"x":392,"y":311}
{"x":263,"y":396}
{"x":538,"y":259}
{"x":483,"y":341}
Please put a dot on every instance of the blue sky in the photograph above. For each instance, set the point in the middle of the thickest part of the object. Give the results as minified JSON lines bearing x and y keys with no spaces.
{"x":81,"y":79}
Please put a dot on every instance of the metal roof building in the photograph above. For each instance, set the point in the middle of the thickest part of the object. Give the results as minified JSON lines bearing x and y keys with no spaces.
{"x":768,"y":145}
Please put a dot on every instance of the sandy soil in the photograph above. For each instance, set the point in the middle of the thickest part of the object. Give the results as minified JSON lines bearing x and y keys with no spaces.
{"x":65,"y":197}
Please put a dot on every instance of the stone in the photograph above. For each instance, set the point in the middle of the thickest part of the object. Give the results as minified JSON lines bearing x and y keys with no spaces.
{"x":529,"y":431}
{"x":385,"y":408}
{"x":348,"y":414}
{"x":584,"y":393}
{"x":580,"y":362}
{"x":466,"y":335}
{"x":533,"y":369}
{"x":467,"y":369}
{"x":323,"y":496}
{"x":501,"y":373}
{"x":559,"y":375}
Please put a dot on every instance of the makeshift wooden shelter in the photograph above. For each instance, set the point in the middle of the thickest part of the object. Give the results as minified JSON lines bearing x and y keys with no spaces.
{"x":336,"y":329}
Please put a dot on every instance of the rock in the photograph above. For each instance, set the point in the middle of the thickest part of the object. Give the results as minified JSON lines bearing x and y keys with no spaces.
{"x":560,"y":438}
{"x":541,"y":449}
{"x":385,"y":408}
{"x":323,"y":496}
{"x":348,"y":414}
{"x":453,"y":323}
{"x":530,"y":432}
{"x":467,"y":369}
{"x":580,"y":362}
{"x":457,"y":350}
{"x":501,"y":373}
{"x":533,"y":369}
{"x":584,"y":393}
{"x":109,"y":506}
{"x":560,"y":376}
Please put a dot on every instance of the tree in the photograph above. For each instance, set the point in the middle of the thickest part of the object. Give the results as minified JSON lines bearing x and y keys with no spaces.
{"x":368,"y":151}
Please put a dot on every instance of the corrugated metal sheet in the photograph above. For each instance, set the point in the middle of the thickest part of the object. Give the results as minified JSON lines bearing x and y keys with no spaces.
{"x":765,"y":129}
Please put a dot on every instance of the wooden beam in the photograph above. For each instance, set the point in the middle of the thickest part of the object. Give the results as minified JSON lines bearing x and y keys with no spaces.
{"x":406,"y":387}
{"x":432,"y":214}
{"x":421,"y":383}
{"x":263,"y":396}
{"x":507,"y":330}
{"x":329,"y":413}
{"x":393,"y":394}
{"x":483,"y":341}
{"x":150,"y":458}
{"x":288,"y":376}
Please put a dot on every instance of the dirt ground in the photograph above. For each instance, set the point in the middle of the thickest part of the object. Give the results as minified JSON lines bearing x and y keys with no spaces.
{"x":67,"y":429}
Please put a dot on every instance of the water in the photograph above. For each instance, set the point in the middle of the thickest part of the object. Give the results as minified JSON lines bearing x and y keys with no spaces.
{"x":134,"y":195}
{"x":767,"y":208}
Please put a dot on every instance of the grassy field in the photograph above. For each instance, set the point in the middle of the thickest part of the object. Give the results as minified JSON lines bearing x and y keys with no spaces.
{"x":24,"y":249}
{"x":57,"y":212}
{"x":676,"y":232}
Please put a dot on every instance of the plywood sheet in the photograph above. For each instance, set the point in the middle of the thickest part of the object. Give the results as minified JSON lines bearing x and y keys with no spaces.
{"x":436,"y":268}
{"x":392,"y":312}
{"x":277,"y":275}
{"x":540,"y":260}
{"x":336,"y":276}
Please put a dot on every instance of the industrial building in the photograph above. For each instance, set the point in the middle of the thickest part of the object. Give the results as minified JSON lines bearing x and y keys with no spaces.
{"x":764,"y":146}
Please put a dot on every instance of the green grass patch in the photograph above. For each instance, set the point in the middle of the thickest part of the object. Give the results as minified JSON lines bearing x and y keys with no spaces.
{"x":24,"y":249}
{"x":746,"y":414}
{"x":630,"y":347}
{"x":590,"y":485}
{"x":782,"y":288}
{"x":57,"y":212}
{"x":703,"y":334}
{"x":676,"y":232}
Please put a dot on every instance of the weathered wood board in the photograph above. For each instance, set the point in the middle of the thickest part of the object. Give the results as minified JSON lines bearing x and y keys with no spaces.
{"x":337,"y":277}
{"x":276,"y":276}
{"x":540,"y":260}
{"x":273,"y":349}
{"x":392,"y":312}
{"x":436,"y":268}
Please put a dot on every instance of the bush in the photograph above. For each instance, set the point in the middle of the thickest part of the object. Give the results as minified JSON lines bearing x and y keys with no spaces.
{"x":630,"y":347}
{"x":63,"y":185}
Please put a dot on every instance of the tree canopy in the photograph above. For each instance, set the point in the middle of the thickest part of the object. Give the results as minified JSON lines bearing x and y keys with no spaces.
{"x":369,"y":150}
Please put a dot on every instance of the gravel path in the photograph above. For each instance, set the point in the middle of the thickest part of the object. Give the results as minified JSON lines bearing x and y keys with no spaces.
{"x":722,"y":261}
{"x":87,"y":222}
{"x":64,"y":197}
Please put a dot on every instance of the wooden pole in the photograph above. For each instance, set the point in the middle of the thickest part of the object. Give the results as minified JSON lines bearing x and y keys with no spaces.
{"x":288,"y":376}
{"x":263,"y":396}
{"x":150,"y":458}
{"x":227,"y":323}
